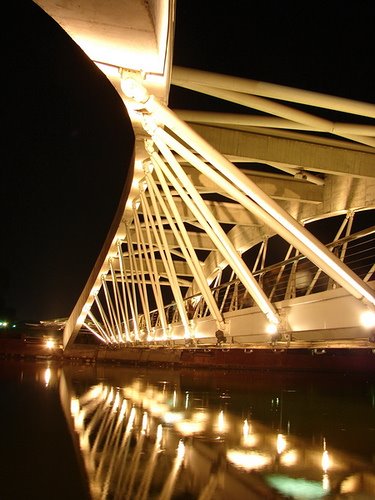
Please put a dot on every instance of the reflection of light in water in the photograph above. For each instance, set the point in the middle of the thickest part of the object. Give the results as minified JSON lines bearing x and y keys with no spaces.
{"x":109,"y":398}
{"x":248,"y":438}
{"x":326,"y":464}
{"x":131,"y":419}
{"x":325,"y":482}
{"x":248,"y":460}
{"x":221,"y":425}
{"x":170,"y":482}
{"x":200,"y":416}
{"x":144,"y":486}
{"x":325,"y":461}
{"x":158,"y":409}
{"x":159,"y":434}
{"x":354,"y":483}
{"x":93,"y":393}
{"x":77,"y":414}
{"x":189,"y":427}
{"x":124,"y":406}
{"x":124,"y":457}
{"x":289,"y":458}
{"x":116,"y":403}
{"x":192,"y":426}
{"x":50,"y":344}
{"x":246,"y":428}
{"x":180,"y":450}
{"x":280,"y":443}
{"x":74,"y":406}
{"x":47,"y":376}
{"x":171,"y":417}
{"x":144,"y":422}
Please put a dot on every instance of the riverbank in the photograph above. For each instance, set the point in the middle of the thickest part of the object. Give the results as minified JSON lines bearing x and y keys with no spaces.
{"x":354,"y":357}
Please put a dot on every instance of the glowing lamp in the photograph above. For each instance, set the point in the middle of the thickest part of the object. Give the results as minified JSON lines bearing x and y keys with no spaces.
{"x":50,"y":344}
{"x":367,"y":319}
{"x":134,"y":90}
{"x":271,"y":328}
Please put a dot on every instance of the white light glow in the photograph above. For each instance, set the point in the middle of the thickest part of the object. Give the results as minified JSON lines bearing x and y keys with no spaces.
{"x":289,"y":458}
{"x":158,"y":409}
{"x":159,"y":434}
{"x":50,"y":344}
{"x":280,"y":443}
{"x":47,"y":376}
{"x":271,"y":328}
{"x":189,"y":427}
{"x":123,"y":410}
{"x":181,"y":450}
{"x":200,"y":416}
{"x":248,"y":460}
{"x":74,"y":406}
{"x":325,"y":482}
{"x":134,"y":90}
{"x":250,"y":441}
{"x":326,"y":462}
{"x":116,"y":403}
{"x":221,"y":425}
{"x":367,"y":319}
{"x":173,"y":417}
{"x":246,"y":428}
{"x":144,"y":422}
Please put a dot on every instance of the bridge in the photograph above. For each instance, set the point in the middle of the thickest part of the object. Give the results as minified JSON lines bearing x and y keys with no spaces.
{"x":218,"y":238}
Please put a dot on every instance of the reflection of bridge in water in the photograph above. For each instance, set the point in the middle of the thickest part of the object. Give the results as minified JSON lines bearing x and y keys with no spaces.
{"x":147,"y":437}
{"x":222,"y":209}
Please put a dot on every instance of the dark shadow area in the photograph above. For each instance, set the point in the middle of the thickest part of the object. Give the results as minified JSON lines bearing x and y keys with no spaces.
{"x":68,"y":147}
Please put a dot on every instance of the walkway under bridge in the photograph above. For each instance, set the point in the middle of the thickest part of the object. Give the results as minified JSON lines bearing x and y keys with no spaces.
{"x":237,"y":228}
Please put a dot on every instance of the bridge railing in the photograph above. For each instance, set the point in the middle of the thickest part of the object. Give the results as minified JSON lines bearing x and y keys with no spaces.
{"x":294,"y":277}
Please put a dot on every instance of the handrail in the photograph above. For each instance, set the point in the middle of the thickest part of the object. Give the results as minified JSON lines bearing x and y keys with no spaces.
{"x":235,"y":282}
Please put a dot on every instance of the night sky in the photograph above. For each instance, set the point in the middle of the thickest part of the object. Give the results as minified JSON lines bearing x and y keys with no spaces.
{"x":67,"y":140}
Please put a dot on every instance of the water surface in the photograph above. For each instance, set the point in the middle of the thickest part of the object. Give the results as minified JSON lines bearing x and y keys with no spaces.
{"x":86,"y":431}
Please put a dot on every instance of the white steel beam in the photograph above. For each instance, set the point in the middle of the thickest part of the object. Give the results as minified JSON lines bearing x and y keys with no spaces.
{"x":241,"y":120}
{"x":312,"y":154}
{"x":199,"y":240}
{"x":306,"y":243}
{"x":192,"y":198}
{"x":185,"y":76}
{"x":280,"y":187}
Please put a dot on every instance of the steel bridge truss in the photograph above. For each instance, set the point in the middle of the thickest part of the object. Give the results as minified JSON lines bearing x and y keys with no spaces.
{"x":176,"y":263}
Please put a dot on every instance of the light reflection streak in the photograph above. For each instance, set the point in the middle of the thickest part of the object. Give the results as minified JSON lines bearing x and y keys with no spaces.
{"x":280,"y":443}
{"x":249,"y":439}
{"x":47,"y":376}
{"x":289,"y":458}
{"x":248,"y":460}
{"x":171,"y":479}
{"x":121,"y":431}
{"x":144,"y":485}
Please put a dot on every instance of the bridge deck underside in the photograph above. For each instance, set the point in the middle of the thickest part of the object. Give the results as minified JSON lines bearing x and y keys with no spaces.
{"x":211,"y":194}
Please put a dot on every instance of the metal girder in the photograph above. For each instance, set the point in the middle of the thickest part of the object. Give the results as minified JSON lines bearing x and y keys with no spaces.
{"x":281,"y":187}
{"x":181,"y":267}
{"x":265,"y":97}
{"x":199,"y":240}
{"x":224,"y":212}
{"x":316,"y":156}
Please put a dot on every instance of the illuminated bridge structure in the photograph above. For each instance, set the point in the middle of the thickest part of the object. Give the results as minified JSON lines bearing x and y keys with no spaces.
{"x":219,"y":239}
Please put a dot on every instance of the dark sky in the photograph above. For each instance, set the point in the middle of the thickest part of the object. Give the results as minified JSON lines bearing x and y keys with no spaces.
{"x":325,"y":46}
{"x":67,"y":141}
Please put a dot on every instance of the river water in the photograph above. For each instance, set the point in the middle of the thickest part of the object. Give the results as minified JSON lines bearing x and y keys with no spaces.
{"x":114,"y":432}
